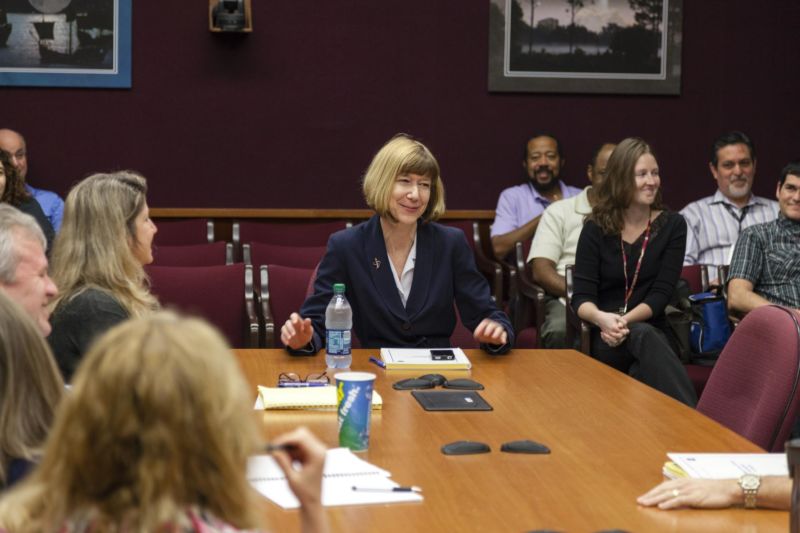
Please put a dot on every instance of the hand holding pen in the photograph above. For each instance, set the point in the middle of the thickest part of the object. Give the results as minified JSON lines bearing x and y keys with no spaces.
{"x":301,"y":447}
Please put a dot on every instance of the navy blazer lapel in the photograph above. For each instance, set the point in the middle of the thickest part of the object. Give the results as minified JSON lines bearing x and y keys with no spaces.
{"x":423,"y":269}
{"x":380,"y":270}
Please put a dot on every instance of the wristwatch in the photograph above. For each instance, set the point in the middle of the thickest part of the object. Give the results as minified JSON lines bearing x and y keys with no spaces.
{"x":750,"y":484}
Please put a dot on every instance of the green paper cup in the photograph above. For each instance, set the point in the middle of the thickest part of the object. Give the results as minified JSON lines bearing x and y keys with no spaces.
{"x":354,"y":405}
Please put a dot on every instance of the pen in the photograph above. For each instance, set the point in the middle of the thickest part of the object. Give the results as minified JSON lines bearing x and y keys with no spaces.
{"x":387,"y":489}
{"x":300,"y":384}
{"x":269,"y":448}
{"x":377,"y":362}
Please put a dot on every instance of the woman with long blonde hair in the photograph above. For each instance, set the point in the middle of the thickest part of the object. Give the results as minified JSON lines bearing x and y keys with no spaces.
{"x":30,"y":389}
{"x":155,"y":436}
{"x":627,"y":263}
{"x":98,"y":262}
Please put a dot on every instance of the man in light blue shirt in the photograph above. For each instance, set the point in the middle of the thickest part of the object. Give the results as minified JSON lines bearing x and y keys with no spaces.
{"x":519,"y":208}
{"x":14,"y":145}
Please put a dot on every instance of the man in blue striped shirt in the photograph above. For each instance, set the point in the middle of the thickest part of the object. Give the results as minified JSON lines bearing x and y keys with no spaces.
{"x":715,"y":222}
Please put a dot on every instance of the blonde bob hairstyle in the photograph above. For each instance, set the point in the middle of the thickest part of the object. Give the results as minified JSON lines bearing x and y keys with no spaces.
{"x":159,"y":420}
{"x":30,"y":387}
{"x":94,"y":248}
{"x":402,"y":155}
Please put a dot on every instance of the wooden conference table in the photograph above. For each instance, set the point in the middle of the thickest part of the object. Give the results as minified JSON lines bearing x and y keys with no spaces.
{"x":609,"y":437}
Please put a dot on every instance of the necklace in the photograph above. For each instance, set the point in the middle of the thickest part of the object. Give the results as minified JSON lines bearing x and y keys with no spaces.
{"x":629,"y":290}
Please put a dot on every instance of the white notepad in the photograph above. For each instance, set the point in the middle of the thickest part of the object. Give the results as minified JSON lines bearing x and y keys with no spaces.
{"x":730,"y":465}
{"x":343,"y":470}
{"x":420,"y":359}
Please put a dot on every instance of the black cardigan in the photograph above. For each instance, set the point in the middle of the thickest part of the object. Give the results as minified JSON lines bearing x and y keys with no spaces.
{"x":598,"y":275}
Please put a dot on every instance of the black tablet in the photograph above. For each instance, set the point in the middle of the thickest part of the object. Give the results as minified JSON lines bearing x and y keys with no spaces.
{"x":451,"y":400}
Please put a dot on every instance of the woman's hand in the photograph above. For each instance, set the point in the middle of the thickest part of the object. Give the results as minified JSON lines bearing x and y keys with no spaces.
{"x":303,"y":461}
{"x":490,"y":332}
{"x":613,"y":328}
{"x":296,"y":332}
{"x":703,"y":493}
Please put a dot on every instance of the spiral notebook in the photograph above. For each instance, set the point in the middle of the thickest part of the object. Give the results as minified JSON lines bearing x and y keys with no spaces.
{"x":343,"y":470}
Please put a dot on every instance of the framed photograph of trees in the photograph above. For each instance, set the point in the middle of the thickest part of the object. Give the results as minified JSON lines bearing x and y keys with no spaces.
{"x":65,"y":43}
{"x":585,"y":46}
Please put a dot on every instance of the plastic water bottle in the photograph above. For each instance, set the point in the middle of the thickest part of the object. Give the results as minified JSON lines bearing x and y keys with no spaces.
{"x":338,"y":322}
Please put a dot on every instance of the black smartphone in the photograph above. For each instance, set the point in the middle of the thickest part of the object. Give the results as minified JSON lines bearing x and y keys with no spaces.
{"x":442,"y":355}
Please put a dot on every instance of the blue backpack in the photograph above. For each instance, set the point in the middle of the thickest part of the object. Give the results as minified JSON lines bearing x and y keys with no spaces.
{"x":709,"y":329}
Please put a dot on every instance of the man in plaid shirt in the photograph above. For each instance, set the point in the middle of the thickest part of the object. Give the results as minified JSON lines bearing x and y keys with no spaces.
{"x":765,"y":268}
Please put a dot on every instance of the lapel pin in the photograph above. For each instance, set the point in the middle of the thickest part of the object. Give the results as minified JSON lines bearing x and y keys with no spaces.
{"x":376,"y":263}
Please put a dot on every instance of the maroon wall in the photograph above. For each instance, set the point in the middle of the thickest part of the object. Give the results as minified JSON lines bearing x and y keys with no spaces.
{"x":290,"y":115}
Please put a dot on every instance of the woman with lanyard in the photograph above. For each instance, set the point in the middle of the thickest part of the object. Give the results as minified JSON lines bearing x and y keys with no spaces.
{"x":628,"y":260}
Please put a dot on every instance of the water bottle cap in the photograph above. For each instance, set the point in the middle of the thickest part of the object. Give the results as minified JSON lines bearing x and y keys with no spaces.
{"x":338,"y":287}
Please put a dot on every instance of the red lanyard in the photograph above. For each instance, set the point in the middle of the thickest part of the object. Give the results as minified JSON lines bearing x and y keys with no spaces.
{"x":629,"y":290}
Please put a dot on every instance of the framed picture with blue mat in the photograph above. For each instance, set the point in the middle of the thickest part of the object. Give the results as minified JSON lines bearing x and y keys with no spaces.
{"x":65,"y":43}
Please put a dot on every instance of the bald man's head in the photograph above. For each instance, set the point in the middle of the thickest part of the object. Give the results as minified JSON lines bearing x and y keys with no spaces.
{"x":14,"y":145}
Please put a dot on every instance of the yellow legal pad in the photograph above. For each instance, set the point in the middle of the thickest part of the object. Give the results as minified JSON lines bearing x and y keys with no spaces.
{"x":673,"y":471}
{"x":312,"y":398}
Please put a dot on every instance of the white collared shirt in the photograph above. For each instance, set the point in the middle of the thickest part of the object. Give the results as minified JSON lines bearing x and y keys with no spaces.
{"x":559,"y":229}
{"x":404,"y":280}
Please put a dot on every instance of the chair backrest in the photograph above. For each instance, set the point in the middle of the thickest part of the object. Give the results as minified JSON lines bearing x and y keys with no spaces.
{"x":578,"y":332}
{"x":206,"y":254}
{"x":469,"y":229}
{"x":526,"y":305}
{"x":355,"y":342}
{"x":461,"y":336}
{"x":286,"y":233}
{"x":259,"y":253}
{"x":182,"y":231}
{"x":722,"y":273}
{"x":753,"y":388}
{"x":696,"y":276}
{"x":283,"y":291}
{"x":492,"y":270}
{"x":524,"y":269}
{"x":223,"y":295}
{"x":310,"y":288}
{"x":526,"y":248}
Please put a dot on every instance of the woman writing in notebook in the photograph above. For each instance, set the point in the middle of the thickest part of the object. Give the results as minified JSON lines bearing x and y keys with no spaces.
{"x":628,"y":261}
{"x":402,"y":271}
{"x":155,"y":436}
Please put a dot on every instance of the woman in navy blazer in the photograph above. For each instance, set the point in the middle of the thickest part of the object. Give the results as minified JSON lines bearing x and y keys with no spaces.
{"x":402,"y":271}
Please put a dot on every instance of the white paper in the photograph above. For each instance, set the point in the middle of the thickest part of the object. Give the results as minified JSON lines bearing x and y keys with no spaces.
{"x":421,"y":357}
{"x":342,"y":471}
{"x":730,"y":465}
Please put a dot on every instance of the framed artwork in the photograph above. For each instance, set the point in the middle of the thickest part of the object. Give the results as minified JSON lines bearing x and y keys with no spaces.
{"x":65,"y":43}
{"x":585,"y":46}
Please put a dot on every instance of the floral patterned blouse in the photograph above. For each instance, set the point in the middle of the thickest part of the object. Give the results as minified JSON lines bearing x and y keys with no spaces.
{"x":195,"y":520}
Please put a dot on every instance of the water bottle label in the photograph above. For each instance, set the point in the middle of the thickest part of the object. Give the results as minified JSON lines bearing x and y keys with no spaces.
{"x":337,"y":341}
